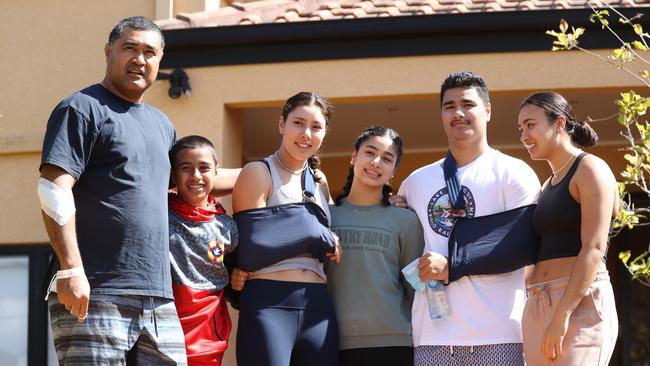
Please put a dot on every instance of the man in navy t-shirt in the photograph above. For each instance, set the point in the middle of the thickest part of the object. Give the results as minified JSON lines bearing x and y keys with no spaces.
{"x":105,"y":155}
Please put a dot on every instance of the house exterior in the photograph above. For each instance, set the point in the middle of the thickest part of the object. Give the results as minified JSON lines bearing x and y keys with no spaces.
{"x":378,"y":61}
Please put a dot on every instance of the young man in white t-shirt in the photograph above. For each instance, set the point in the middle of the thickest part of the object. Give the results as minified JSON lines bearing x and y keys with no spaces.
{"x":484,"y":323}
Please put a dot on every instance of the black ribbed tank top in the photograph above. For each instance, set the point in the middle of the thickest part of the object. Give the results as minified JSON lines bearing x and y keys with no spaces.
{"x":557,"y":219}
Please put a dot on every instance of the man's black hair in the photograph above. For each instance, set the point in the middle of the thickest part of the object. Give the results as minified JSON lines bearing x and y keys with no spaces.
{"x":137,"y":23}
{"x":465,"y":79}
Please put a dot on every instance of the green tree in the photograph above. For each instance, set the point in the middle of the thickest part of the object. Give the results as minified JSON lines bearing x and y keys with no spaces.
{"x":632,"y":58}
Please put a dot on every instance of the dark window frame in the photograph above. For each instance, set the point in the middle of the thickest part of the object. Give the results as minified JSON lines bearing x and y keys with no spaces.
{"x":37,"y":317}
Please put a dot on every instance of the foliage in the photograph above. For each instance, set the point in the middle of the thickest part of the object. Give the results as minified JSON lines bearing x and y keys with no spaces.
{"x":632,"y":108}
{"x":639,"y":267}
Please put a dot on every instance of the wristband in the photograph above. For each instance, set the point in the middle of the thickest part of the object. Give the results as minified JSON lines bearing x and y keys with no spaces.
{"x":65,"y":273}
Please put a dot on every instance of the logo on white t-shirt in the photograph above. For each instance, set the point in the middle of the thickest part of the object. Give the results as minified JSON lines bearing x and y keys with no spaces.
{"x":440,"y":210}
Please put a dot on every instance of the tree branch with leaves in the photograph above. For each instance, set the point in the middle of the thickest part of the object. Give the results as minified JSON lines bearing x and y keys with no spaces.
{"x":632,"y":109}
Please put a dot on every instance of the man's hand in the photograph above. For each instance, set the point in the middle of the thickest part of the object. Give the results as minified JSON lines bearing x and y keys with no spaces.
{"x":238,"y":279}
{"x":433,"y":266}
{"x":74,"y":293}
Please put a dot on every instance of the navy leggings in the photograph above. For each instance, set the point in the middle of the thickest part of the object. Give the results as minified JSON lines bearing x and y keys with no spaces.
{"x":286,"y":324}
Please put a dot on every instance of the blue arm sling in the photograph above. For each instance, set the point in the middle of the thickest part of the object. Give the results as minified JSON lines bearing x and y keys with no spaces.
{"x":268,"y":235}
{"x":492,"y":244}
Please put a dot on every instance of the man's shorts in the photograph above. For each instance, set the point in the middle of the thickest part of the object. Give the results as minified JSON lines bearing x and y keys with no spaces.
{"x":141,"y":329}
{"x":507,"y":354}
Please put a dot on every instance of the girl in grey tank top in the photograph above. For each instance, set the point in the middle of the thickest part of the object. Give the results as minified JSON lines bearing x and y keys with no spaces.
{"x":286,"y":315}
{"x":282,"y":194}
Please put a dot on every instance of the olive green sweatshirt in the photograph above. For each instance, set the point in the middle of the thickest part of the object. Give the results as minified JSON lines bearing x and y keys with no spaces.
{"x":371,"y":297}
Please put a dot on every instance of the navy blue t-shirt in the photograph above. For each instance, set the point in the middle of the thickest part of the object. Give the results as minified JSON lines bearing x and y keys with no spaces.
{"x":118,"y":152}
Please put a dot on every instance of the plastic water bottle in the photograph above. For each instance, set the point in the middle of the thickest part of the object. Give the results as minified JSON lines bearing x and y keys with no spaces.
{"x":411,"y":274}
{"x":437,"y":300}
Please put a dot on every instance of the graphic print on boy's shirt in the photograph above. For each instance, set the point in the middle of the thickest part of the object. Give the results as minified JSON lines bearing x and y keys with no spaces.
{"x":440,"y":212}
{"x":215,"y":251}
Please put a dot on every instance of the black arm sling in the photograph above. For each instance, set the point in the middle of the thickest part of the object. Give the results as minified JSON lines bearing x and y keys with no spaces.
{"x":492,"y":244}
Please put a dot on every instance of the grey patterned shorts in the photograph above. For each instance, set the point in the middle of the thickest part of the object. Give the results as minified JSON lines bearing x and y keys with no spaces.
{"x":145,"y":330}
{"x":507,"y":354}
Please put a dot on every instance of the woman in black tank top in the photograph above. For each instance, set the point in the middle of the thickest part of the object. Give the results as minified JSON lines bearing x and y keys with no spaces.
{"x":570,"y":315}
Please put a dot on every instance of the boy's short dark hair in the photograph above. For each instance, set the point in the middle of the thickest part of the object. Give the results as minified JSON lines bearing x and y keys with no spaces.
{"x":192,"y":142}
{"x":465,"y":79}
{"x":137,"y":23}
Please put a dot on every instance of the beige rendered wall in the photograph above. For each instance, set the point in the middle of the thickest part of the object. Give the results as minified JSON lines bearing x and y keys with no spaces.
{"x":341,"y":80}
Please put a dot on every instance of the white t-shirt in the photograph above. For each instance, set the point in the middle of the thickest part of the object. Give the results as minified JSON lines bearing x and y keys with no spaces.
{"x":483,"y":309}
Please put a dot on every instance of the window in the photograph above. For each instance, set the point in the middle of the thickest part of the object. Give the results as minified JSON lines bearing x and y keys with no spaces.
{"x":14,"y":309}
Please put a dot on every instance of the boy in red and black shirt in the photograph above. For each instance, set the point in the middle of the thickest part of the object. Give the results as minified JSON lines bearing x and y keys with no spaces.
{"x":200,"y":237}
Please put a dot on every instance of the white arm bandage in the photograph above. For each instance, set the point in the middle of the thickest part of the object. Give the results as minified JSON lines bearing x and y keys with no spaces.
{"x":56,"y":202}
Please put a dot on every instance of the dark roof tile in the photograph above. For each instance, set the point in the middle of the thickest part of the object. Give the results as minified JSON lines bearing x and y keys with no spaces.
{"x":282,"y":11}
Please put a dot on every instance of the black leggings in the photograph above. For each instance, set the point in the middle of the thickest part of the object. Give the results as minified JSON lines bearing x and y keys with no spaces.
{"x":286,"y":324}
{"x":377,"y":356}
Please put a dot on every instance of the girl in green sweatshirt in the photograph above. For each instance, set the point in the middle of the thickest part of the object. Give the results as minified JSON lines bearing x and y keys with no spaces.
{"x":371,"y":297}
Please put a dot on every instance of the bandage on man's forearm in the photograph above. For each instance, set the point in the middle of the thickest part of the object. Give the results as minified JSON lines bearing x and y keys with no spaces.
{"x":56,"y":202}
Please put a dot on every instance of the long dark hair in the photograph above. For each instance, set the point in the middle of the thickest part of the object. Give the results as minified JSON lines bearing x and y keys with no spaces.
{"x":365,"y":135}
{"x":309,"y":99}
{"x":555,"y":106}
